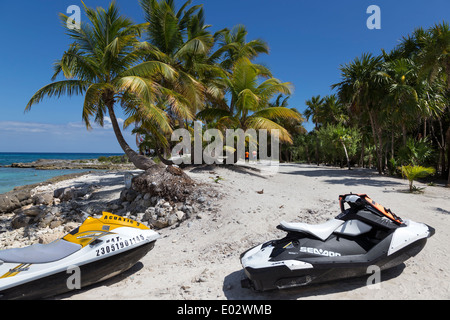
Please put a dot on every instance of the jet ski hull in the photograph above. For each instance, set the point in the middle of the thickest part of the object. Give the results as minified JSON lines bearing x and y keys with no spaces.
{"x":95,"y":251}
{"x":284,"y":275}
{"x":362,"y":236}
{"x":90,"y":273}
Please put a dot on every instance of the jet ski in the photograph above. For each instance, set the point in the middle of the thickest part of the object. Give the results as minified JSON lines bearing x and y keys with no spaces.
{"x":364,"y":234}
{"x":95,"y":251}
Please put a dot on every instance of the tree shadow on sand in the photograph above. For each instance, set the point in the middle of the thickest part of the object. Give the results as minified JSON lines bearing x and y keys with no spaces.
{"x":354,"y":177}
{"x":233,"y":290}
{"x":243,"y":169}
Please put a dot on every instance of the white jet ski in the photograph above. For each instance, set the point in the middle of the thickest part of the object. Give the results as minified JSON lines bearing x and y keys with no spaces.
{"x":97,"y":250}
{"x":366,"y":234}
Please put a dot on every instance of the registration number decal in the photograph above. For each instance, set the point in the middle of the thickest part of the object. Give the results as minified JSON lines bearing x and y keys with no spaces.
{"x":118,"y":244}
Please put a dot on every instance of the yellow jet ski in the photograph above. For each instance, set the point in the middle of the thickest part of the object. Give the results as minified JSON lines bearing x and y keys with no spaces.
{"x":95,"y":251}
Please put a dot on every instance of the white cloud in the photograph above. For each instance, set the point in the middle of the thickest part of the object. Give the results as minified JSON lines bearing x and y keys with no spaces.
{"x":69,"y":137}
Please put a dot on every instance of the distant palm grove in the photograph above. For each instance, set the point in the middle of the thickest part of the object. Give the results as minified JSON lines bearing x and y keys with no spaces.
{"x":388,"y":111}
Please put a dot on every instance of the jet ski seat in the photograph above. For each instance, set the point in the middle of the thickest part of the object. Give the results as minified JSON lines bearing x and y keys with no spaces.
{"x":321,"y":231}
{"x":40,"y":253}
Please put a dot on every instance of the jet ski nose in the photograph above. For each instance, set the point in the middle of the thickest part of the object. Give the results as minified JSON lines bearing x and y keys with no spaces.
{"x":431,"y":231}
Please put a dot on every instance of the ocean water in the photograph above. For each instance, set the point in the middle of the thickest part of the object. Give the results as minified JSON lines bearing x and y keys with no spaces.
{"x":14,"y":177}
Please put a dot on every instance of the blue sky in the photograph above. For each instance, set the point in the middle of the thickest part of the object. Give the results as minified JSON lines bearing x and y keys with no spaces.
{"x":308,"y":42}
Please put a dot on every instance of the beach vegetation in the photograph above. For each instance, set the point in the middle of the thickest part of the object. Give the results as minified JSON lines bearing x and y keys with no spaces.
{"x":413,"y":173}
{"x":180,"y":73}
{"x":387,"y":110}
{"x":397,"y":100}
{"x":114,"y":159}
{"x":104,"y":63}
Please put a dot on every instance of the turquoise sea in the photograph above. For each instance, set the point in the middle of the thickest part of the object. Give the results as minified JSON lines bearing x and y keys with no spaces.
{"x":14,"y":177}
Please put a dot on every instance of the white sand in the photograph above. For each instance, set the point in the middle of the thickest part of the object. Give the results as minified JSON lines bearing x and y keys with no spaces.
{"x":200,"y":259}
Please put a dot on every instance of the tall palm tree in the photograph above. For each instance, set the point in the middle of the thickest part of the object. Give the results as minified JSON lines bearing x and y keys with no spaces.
{"x":180,"y":38}
{"x":315,"y":111}
{"x":293,"y":125}
{"x":103,"y":65}
{"x":334,"y":110}
{"x":436,"y":54}
{"x":363,"y":85}
{"x":402,"y":81}
{"x":436,"y":62}
{"x":250,"y":95}
{"x":233,"y":45}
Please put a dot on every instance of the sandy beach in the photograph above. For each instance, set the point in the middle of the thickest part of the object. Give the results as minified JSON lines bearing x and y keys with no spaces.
{"x":199,"y":258}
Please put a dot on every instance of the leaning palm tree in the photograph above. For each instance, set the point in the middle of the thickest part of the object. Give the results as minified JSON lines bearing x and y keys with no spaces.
{"x":103,"y":64}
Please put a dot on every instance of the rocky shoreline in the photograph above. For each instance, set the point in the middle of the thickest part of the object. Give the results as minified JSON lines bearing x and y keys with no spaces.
{"x":44,"y":212}
{"x":92,"y":164}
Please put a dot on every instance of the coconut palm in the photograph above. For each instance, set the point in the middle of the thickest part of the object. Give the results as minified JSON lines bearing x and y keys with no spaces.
{"x":293,"y":125}
{"x":233,"y":45}
{"x":180,"y":38}
{"x":103,"y":65}
{"x":251,"y":87}
{"x":315,"y":111}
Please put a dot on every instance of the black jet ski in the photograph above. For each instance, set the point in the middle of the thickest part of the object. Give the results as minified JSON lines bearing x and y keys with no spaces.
{"x":95,"y":251}
{"x":363,"y":235}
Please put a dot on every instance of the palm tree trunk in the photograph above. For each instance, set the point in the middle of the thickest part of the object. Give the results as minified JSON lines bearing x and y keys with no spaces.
{"x":317,"y":147}
{"x":378,"y":142}
{"x":404,"y":133}
{"x":140,"y":161}
{"x":346,"y":155}
{"x":448,"y":155}
{"x":361,"y":160}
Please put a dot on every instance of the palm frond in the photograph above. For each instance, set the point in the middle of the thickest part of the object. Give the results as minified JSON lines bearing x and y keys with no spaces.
{"x":257,"y":123}
{"x":57,"y":89}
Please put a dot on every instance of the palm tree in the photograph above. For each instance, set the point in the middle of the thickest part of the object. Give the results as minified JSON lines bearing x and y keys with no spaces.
{"x":103,"y":65}
{"x":435,"y":59}
{"x":334,"y":110}
{"x":180,"y":38}
{"x":436,"y":54}
{"x":315,"y":111}
{"x":293,"y":125}
{"x":249,"y":106}
{"x":233,"y":45}
{"x":402,"y":80}
{"x":363,"y":87}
